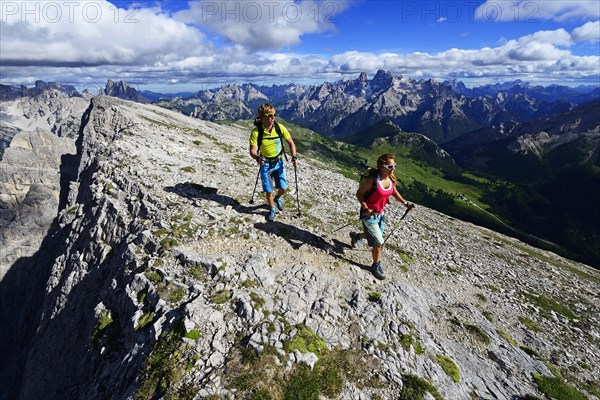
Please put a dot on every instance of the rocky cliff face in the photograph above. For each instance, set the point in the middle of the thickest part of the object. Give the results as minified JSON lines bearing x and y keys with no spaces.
{"x":158,"y":279}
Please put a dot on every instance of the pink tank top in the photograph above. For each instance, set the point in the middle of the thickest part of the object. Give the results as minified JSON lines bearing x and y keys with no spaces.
{"x":379,"y":199}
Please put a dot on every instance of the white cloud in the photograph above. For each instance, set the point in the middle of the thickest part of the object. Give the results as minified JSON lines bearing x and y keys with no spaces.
{"x":260,"y":25}
{"x":532,"y":11}
{"x":91,"y":33}
{"x":150,"y":46}
{"x":590,"y":31}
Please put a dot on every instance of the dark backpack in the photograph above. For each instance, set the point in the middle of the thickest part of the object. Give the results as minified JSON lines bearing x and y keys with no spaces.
{"x":261,"y":133}
{"x":370,"y":173}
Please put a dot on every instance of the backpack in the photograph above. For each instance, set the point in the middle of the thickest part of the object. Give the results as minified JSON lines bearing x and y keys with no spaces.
{"x":370,"y":173}
{"x":261,"y":133}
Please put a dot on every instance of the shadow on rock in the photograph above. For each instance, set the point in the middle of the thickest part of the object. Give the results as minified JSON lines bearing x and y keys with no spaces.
{"x":193,"y":191}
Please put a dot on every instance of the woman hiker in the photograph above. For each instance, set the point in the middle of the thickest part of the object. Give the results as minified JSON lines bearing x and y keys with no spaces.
{"x":266,"y":147}
{"x":373,"y":195}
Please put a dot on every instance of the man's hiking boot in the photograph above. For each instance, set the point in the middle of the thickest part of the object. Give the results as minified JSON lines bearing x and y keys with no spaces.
{"x":272,"y":214}
{"x":355,"y":238}
{"x":279,"y":203}
{"x":377,"y":270}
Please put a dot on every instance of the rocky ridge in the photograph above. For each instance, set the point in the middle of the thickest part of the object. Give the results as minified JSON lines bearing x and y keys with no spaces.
{"x":156,"y":239}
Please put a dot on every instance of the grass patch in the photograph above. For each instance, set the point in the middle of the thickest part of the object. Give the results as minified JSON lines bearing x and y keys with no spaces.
{"x":220,"y":297}
{"x":259,"y":375}
{"x":305,"y":340}
{"x":153,"y":276}
{"x":556,"y":388}
{"x":449,"y":367}
{"x":258,"y":301}
{"x":166,"y":366}
{"x":144,"y":320}
{"x":488,"y":315}
{"x":194,"y":334}
{"x":176,"y":294}
{"x":547,"y":305}
{"x":248,"y":283}
{"x":415,"y":388}
{"x":410,"y":339}
{"x":374,"y":296}
{"x":529,"y":324}
{"x":188,"y":168}
{"x":480,"y":333}
{"x":103,"y":321}
{"x":505,"y":336}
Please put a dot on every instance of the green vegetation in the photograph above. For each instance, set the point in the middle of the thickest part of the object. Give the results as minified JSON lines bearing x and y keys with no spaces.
{"x":220,"y":297}
{"x":305,"y":340}
{"x":165,"y":367}
{"x":480,"y":333}
{"x":410,"y":339}
{"x":529,"y":324}
{"x":103,"y":320}
{"x":556,"y":388}
{"x":194,"y":334}
{"x":258,"y":301}
{"x":505,"y":336}
{"x":547,"y":305}
{"x":188,"y":169}
{"x":259,"y":375}
{"x":415,"y":388}
{"x":449,"y":367}
{"x":374,"y":296}
{"x":481,"y":297}
{"x":488,"y":315}
{"x":144,"y":320}
{"x":153,"y":276}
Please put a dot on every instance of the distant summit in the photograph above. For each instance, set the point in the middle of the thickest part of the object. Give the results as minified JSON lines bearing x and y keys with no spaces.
{"x":123,"y":91}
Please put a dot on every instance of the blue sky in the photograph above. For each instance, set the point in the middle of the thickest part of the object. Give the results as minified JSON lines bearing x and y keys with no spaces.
{"x":190,"y":45}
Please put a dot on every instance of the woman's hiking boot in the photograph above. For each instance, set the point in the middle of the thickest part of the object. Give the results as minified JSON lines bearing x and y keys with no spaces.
{"x":279,"y":203}
{"x":272,"y":214}
{"x":377,"y":270}
{"x":355,"y":238}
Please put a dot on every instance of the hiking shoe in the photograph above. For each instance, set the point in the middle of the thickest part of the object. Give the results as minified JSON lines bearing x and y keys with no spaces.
{"x":377,"y":270}
{"x":272,"y":214}
{"x":355,"y":239}
{"x":279,"y":203}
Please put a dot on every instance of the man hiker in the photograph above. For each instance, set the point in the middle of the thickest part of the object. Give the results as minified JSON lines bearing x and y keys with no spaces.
{"x":266,"y":147}
{"x":374,"y":191}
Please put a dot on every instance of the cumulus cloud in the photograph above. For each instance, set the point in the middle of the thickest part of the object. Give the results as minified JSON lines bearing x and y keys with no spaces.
{"x":590,"y":31}
{"x":103,"y":42}
{"x":532,"y":11}
{"x":92,"y":33}
{"x":260,"y":25}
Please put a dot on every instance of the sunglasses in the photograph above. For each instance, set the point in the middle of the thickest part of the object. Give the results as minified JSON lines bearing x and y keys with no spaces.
{"x":268,"y":115}
{"x":390,"y":166}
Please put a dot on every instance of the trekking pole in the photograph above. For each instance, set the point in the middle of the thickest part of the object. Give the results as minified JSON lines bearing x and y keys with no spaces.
{"x":297,"y":195}
{"x":397,"y":225}
{"x":342,"y":227}
{"x":255,"y":184}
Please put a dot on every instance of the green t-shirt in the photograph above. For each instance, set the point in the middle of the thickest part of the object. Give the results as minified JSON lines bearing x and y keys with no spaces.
{"x":271,"y":144}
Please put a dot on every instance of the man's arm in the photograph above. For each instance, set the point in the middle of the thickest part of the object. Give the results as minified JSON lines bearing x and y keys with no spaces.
{"x":254,"y":154}
{"x":292,"y":145}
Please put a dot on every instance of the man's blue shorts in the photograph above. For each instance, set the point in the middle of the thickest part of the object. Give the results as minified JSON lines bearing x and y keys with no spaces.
{"x":373,"y":227}
{"x":273,"y":170}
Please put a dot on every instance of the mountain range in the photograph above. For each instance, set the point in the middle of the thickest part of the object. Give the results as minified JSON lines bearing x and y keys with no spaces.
{"x":518,"y":132}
